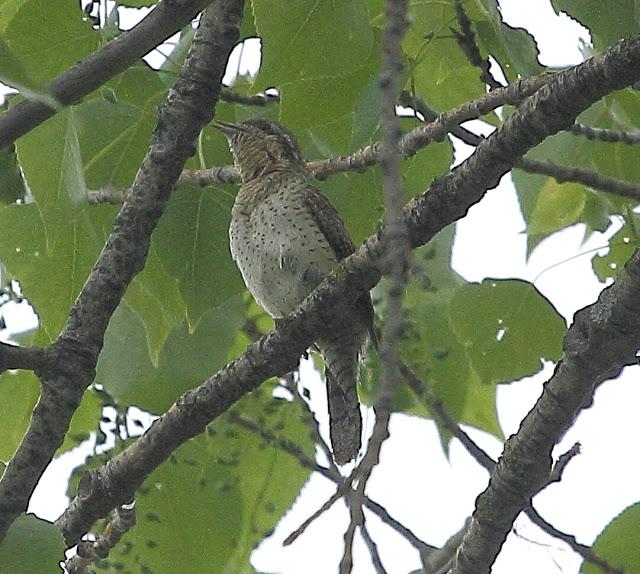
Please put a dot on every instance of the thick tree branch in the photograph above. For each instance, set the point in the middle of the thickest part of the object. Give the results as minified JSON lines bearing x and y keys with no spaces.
{"x":167,"y":18}
{"x":436,"y":559}
{"x":552,"y":108}
{"x":28,"y":358}
{"x":188,"y":108}
{"x":602,"y":340}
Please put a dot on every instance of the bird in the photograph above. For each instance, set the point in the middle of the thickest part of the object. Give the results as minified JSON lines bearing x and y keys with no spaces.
{"x":286,"y":237}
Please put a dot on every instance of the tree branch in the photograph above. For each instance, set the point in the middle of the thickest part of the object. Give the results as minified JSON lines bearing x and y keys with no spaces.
{"x":395,"y":241}
{"x":188,"y":108}
{"x":91,"y":550}
{"x":610,"y":136}
{"x":466,"y":39}
{"x":563,"y":173}
{"x":602,"y":340}
{"x":552,"y":108}
{"x":27,"y":358}
{"x":436,"y":559}
{"x":410,"y":143}
{"x":260,"y":100}
{"x":167,"y":18}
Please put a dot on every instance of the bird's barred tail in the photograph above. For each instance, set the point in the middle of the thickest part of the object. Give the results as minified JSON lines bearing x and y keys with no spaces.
{"x":345,"y":420}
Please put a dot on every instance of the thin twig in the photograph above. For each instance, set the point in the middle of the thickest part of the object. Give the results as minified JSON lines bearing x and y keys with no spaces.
{"x":611,"y":136}
{"x":331,"y":474}
{"x":396,"y":249}
{"x":373,"y":549}
{"x":583,"y":550}
{"x":91,"y":550}
{"x":346,"y":563}
{"x":259,"y":100}
{"x":563,"y":460}
{"x":562,"y":174}
{"x":467,"y":41}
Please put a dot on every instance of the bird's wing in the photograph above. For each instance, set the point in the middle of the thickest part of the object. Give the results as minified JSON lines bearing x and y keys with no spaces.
{"x":333,"y":228}
{"x":329,"y":222}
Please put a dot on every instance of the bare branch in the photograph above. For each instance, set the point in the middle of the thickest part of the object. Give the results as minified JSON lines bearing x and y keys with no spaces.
{"x":467,"y":41}
{"x":91,"y":550}
{"x":562,"y":174}
{"x":259,"y":100}
{"x":346,"y":563}
{"x":410,"y":143}
{"x":27,"y":358}
{"x":558,"y":468}
{"x":373,"y":549}
{"x":436,"y":560}
{"x":611,"y":136}
{"x":395,"y":242}
{"x":435,"y":130}
{"x":167,"y":18}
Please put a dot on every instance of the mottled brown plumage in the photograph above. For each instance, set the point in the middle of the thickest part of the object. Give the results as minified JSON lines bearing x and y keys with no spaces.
{"x":285,"y":238}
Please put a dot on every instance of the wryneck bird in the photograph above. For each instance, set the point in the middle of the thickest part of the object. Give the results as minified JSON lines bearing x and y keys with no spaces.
{"x":286,"y":238}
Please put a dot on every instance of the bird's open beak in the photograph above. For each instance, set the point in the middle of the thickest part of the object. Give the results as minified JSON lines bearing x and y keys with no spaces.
{"x":227,"y":128}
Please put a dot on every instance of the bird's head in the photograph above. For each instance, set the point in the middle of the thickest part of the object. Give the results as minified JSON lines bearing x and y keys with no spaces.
{"x":261,"y":146}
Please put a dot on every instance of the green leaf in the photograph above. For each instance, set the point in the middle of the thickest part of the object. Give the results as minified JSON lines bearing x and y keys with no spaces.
{"x":14,"y":73}
{"x":558,"y":205}
{"x":513,"y":48}
{"x":308,"y":40}
{"x":192,"y":243}
{"x":19,"y":392}
{"x":219,"y":495}
{"x":507,"y":328}
{"x":438,"y":69}
{"x":622,"y":246}
{"x":57,"y":183}
{"x":618,"y":543}
{"x":12,"y":187}
{"x":66,"y":28}
{"x":420,"y":170}
{"x":605,"y":25}
{"x":185,"y":360}
{"x":32,"y":545}
{"x":85,"y":421}
{"x":432,"y":348}
{"x":335,"y":99}
{"x":616,"y":161}
{"x":154,"y":295}
{"x":114,"y":131}
{"x":51,"y":274}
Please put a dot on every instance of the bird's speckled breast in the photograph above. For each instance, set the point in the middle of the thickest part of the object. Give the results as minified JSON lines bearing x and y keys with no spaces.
{"x":276,"y":243}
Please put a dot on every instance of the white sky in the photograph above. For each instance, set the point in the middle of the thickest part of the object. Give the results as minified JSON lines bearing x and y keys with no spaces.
{"x":415,"y":482}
